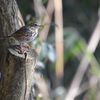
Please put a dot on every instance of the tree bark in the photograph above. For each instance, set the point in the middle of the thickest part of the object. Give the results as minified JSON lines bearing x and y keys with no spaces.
{"x":12,"y":64}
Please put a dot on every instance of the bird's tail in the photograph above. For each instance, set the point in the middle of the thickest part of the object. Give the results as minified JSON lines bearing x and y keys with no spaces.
{"x":5,"y":37}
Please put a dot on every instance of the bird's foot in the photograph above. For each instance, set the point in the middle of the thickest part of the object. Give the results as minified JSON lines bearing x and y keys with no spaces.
{"x":23,"y":51}
{"x":27,"y":46}
{"x":20,"y":50}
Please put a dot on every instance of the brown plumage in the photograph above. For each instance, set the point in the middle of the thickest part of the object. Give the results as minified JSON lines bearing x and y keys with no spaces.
{"x":26,"y":33}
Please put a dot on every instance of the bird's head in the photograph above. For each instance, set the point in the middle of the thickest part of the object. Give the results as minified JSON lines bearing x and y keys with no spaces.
{"x":35,"y":25}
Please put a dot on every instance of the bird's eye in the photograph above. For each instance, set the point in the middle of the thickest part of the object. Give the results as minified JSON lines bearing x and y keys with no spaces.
{"x":35,"y":24}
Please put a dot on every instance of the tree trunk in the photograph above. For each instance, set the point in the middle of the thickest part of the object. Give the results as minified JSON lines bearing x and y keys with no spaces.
{"x":13,"y":66}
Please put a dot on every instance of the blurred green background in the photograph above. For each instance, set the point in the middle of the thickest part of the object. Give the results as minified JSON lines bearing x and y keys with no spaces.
{"x":79,"y":21}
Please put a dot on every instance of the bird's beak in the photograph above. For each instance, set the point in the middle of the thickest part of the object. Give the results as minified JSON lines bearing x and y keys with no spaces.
{"x":41,"y":25}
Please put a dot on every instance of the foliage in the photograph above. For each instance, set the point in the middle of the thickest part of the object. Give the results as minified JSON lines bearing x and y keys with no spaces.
{"x":80,"y":18}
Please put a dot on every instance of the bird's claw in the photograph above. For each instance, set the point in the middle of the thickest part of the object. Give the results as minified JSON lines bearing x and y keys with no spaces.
{"x":22,"y":51}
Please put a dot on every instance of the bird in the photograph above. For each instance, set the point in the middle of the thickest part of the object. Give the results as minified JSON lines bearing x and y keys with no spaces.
{"x":26,"y":34}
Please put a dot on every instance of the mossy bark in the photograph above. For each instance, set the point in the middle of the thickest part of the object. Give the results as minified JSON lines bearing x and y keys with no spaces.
{"x":13,"y":64}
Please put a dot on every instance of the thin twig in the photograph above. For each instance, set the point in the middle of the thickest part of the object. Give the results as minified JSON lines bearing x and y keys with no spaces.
{"x":87,"y":85}
{"x":47,"y":20}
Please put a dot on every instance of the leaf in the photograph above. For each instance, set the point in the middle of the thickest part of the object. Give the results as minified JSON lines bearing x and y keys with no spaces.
{"x":71,"y":36}
{"x":74,"y":50}
{"x":38,"y":72}
{"x":51,"y":53}
{"x":44,"y":51}
{"x":40,"y":64}
{"x":36,"y":42}
{"x":35,"y":81}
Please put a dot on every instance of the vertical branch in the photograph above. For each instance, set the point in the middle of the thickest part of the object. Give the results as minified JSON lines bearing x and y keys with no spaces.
{"x":59,"y":37}
{"x":47,"y":20}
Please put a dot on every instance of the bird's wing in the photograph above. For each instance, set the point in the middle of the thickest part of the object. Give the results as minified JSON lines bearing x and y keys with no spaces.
{"x":22,"y":29}
{"x":21,"y":32}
